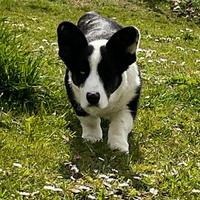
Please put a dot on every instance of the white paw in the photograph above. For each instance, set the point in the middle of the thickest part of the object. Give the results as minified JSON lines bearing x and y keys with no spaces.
{"x":118,"y":143}
{"x":92,"y":137}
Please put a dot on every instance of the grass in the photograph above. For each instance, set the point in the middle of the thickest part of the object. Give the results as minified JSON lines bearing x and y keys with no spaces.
{"x":20,"y":81}
{"x":42,"y":155}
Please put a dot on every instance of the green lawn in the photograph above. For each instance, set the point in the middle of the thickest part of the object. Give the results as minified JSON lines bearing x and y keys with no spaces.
{"x":42,"y":155}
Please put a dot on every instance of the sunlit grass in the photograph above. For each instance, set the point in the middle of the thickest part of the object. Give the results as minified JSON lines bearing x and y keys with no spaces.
{"x":42,"y":155}
{"x":21,"y":82}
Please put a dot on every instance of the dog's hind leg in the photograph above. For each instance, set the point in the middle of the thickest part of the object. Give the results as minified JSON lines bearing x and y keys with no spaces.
{"x":120,"y":126}
{"x":91,"y":128}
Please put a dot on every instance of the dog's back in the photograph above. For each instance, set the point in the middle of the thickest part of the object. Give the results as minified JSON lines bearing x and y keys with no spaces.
{"x":96,"y":27}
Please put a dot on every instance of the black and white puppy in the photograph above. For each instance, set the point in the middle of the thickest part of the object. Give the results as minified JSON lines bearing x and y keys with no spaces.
{"x":103,"y":79}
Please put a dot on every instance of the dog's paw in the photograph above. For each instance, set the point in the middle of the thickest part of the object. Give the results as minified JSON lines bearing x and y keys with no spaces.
{"x":92,"y":137}
{"x":117,"y":143}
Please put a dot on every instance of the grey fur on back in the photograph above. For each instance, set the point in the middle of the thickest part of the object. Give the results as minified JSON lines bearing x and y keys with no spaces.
{"x":96,"y":27}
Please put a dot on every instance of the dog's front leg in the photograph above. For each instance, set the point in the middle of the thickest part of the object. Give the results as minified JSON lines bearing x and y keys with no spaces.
{"x":91,"y":128}
{"x":120,"y":126}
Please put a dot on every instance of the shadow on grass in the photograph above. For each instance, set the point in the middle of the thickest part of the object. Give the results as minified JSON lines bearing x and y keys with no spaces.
{"x":96,"y":158}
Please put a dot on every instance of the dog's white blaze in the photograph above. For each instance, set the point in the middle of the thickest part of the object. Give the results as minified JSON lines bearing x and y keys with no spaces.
{"x":93,"y":83}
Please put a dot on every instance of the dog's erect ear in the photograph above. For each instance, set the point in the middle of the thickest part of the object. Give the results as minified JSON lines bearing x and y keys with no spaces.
{"x":123,"y":44}
{"x":71,"y":42}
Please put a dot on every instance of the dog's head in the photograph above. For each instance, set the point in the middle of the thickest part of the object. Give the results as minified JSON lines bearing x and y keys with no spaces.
{"x":96,"y":68}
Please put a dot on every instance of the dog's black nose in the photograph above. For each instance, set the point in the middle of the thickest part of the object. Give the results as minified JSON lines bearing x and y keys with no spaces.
{"x":93,"y":98}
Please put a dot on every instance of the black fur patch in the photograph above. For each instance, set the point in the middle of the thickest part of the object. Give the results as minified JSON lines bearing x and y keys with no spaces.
{"x":133,"y":104}
{"x":107,"y":70}
{"x":81,"y":69}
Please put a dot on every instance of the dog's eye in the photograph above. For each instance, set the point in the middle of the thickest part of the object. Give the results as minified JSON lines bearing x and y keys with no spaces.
{"x":82,"y":73}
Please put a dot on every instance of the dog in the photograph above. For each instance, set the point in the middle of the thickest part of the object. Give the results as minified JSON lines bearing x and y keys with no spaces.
{"x":102,"y":78}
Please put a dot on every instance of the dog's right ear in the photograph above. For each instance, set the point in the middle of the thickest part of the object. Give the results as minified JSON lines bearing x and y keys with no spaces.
{"x":71,"y":42}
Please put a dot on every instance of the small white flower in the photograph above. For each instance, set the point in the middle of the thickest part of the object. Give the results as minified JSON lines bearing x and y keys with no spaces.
{"x":65,"y":138}
{"x":178,"y":129}
{"x":163,"y":59}
{"x":91,"y":196}
{"x":17,"y":165}
{"x":75,"y":169}
{"x":141,"y":50}
{"x":149,"y":53}
{"x":34,"y":18}
{"x":173,"y":62}
{"x":24,"y":193}
{"x":54,"y":44}
{"x":72,"y":178}
{"x":52,"y":188}
{"x":149,"y":36}
{"x":74,"y":190}
{"x":145,"y":175}
{"x":182,"y":163}
{"x":153,"y":191}
{"x":174,"y":172}
{"x":17,"y":36}
{"x":45,"y":41}
{"x":183,"y":63}
{"x":176,"y":9}
{"x":83,"y":187}
{"x":189,"y":30}
{"x":101,"y":159}
{"x":195,"y":50}
{"x":110,"y":180}
{"x":125,"y":184}
{"x":107,"y":184}
{"x":195,"y":191}
{"x":28,"y":194}
{"x":137,"y":177}
{"x":147,"y":97}
{"x":41,"y":48}
{"x":150,"y":61}
{"x":114,"y":170}
{"x":180,"y":48}
{"x":103,"y":176}
{"x":158,"y":61}
{"x":34,"y":193}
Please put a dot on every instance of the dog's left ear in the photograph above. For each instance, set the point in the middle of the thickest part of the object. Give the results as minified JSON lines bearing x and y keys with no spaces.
{"x":123,"y":44}
{"x":71,"y":43}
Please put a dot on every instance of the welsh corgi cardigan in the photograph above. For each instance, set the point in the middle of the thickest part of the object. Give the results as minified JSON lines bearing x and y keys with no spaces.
{"x":102,"y":78}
